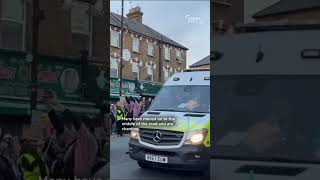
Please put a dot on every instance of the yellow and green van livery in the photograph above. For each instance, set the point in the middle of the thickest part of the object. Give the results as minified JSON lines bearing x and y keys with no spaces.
{"x":184,"y":98}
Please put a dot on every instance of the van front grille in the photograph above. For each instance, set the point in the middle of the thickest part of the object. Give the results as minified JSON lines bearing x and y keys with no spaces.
{"x":167,"y":138}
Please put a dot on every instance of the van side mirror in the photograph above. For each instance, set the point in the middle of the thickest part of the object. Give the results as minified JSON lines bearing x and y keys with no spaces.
{"x":216,"y":55}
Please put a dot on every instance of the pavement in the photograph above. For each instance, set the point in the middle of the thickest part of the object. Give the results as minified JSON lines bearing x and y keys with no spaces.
{"x":103,"y":173}
{"x":124,"y":168}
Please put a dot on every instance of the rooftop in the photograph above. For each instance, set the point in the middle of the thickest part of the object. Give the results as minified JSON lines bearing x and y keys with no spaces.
{"x":286,"y":6}
{"x":129,"y":24}
{"x":202,"y":62}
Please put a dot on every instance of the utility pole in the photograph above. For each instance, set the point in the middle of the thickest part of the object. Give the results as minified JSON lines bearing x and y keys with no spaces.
{"x":121,"y":50}
{"x":34,"y":63}
{"x":84,"y":72}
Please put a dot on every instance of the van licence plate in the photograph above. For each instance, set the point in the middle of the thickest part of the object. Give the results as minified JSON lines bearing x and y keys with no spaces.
{"x":158,"y":159}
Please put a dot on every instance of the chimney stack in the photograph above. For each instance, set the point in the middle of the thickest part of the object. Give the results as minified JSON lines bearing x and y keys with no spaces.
{"x":135,"y":14}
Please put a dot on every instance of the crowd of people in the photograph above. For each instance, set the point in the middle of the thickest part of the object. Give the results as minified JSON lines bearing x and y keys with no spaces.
{"x":67,"y":148}
{"x":127,"y":107}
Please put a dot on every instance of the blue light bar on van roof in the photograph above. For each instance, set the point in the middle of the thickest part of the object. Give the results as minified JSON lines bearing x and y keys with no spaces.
{"x":176,"y":79}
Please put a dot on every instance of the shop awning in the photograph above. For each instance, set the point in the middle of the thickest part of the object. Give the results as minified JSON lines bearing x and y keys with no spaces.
{"x":116,"y":95}
{"x":21,"y":106}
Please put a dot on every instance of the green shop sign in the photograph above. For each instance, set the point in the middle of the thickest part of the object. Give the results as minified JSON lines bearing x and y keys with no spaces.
{"x":128,"y":88}
{"x":133,"y":88}
{"x":55,"y":74}
{"x":149,"y":88}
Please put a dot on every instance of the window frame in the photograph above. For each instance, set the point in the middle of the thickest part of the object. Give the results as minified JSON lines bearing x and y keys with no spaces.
{"x":151,"y":67}
{"x":118,"y":35}
{"x":153,"y":49}
{"x":133,"y":43}
{"x":111,"y":67}
{"x":166,"y":71}
{"x":90,"y":24}
{"x":22,"y":22}
{"x":178,"y":53}
{"x":165,"y":53}
{"x":135,"y":71}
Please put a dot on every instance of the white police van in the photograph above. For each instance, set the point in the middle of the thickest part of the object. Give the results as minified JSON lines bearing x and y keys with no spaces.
{"x":185,"y":97}
{"x":266,"y":116}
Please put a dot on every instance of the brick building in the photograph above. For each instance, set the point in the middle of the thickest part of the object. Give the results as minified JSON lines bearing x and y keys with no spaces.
{"x":153,"y":56}
{"x":66,"y":29}
{"x":202,"y":64}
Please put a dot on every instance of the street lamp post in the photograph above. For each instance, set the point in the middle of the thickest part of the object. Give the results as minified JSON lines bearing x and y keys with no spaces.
{"x":84,"y":72}
{"x":121,"y":50}
{"x":34,"y":63}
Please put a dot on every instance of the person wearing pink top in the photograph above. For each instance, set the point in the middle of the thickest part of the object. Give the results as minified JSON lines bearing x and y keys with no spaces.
{"x":79,"y":144}
{"x":136,"y":109}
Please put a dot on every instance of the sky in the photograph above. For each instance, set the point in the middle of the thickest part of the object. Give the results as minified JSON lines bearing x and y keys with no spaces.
{"x":186,"y":22}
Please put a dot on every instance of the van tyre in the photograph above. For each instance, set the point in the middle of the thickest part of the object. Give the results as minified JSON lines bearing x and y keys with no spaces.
{"x":143,"y":165}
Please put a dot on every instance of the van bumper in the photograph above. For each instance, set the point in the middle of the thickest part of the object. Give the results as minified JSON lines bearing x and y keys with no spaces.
{"x":188,"y":157}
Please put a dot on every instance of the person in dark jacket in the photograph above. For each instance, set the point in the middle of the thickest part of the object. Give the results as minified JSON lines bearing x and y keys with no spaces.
{"x":112,"y":118}
{"x":9,"y":152}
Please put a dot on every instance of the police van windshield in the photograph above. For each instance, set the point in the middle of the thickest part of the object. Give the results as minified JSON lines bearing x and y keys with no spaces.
{"x":267,"y":117}
{"x":183,"y":99}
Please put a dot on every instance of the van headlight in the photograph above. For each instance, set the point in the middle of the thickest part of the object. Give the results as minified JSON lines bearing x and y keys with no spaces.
{"x":196,"y":137}
{"x":134,"y":134}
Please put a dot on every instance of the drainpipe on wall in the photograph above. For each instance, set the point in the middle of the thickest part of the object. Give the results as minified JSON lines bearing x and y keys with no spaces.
{"x":160,"y":59}
{"x":35,"y":46}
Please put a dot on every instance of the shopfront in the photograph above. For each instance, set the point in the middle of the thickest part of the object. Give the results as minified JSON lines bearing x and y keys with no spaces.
{"x":63,"y":76}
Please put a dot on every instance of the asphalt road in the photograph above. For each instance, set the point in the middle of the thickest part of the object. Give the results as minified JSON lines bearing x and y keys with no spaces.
{"x":124,"y":168}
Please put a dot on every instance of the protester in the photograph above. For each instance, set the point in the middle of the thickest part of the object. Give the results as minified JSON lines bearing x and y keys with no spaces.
{"x":142,"y":107}
{"x":79,"y":144}
{"x":9,"y":153}
{"x":120,"y":117}
{"x":136,"y":109}
{"x":32,"y":159}
{"x":126,"y":106}
{"x":112,"y":118}
{"x":64,"y":146}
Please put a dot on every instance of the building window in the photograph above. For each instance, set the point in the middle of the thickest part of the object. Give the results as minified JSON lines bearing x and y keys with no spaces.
{"x":150,"y":49}
{"x":12,"y":24}
{"x":114,"y":69}
{"x":167,"y":53}
{"x":135,"y":44}
{"x":166,"y":74}
{"x":178,"y":53}
{"x":115,"y":38}
{"x":81,"y":27}
{"x":135,"y":71}
{"x":149,"y":73}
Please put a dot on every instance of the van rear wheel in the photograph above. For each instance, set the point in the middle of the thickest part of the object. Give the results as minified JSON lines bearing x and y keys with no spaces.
{"x":143,"y":165}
